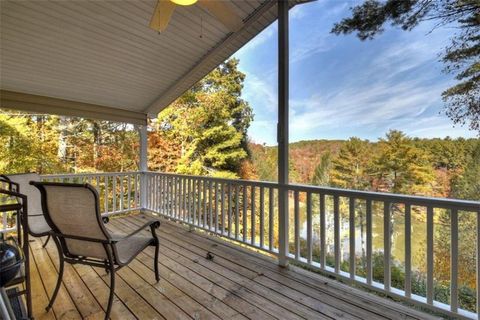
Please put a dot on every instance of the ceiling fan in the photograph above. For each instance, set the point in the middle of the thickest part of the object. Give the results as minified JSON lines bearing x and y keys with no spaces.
{"x":219,"y":8}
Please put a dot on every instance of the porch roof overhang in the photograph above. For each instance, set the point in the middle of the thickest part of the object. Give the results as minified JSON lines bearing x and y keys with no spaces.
{"x":100,"y":59}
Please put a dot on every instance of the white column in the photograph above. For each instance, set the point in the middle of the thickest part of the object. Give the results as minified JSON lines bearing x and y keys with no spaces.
{"x":282,"y":131}
{"x":142,"y":130}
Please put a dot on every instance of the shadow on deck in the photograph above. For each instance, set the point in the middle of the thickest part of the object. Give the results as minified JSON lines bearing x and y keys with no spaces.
{"x":236,"y":284}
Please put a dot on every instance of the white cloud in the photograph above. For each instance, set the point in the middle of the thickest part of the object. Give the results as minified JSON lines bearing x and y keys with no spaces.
{"x":260,"y":92}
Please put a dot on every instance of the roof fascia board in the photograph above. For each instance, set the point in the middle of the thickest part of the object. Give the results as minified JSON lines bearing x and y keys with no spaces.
{"x":43,"y":104}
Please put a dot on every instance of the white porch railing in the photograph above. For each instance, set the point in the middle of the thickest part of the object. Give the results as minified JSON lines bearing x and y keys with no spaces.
{"x":335,"y":231}
{"x":119,"y":191}
{"x":247,"y":212}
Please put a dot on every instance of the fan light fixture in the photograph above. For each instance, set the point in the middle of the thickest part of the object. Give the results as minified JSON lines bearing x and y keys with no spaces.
{"x":222,"y":10}
{"x":184,"y":2}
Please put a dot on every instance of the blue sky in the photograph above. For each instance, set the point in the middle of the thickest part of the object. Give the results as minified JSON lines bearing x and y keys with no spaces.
{"x":342,"y":87}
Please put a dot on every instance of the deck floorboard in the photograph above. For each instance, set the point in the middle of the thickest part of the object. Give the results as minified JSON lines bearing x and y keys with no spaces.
{"x":236,"y":284}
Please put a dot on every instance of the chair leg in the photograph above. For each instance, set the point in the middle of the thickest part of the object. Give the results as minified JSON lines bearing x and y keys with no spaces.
{"x":60,"y":276}
{"x":157,"y":276}
{"x":112,"y":292}
{"x":46,"y":242}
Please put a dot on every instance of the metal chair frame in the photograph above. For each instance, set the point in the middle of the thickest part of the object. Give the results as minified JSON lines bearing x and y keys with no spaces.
{"x":112,"y":263}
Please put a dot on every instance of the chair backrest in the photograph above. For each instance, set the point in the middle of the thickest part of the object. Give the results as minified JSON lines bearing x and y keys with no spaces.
{"x":73,"y":210}
{"x":34,"y":204}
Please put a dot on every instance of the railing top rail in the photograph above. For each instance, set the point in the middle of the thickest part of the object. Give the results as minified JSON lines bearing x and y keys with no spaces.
{"x":467,"y":205}
{"x":224,"y":180}
{"x":81,"y":174}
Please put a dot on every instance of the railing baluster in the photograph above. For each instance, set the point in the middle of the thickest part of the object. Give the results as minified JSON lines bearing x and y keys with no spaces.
{"x":309,"y":227}
{"x":222,"y":210}
{"x":323,"y":239}
{"x":184,"y":197}
{"x":454,"y":260}
{"x":129,"y":190}
{"x":122,"y":192}
{"x":270,"y":218}
{"x":195,"y":199}
{"x":386,"y":246}
{"x":174,"y":197}
{"x":430,"y":255}
{"x":171,"y":195}
{"x":216,"y":207}
{"x":369,"y":231}
{"x":210,"y":207}
{"x":262,"y":218}
{"x":237,"y":223}
{"x":408,"y":250}
{"x":114,"y":193}
{"x":152,"y":187}
{"x":296,"y":224}
{"x":336,"y":226}
{"x":245,"y":200}
{"x":229,"y":210}
{"x":135,"y":197}
{"x":204,"y":204}
{"x":163,"y":194}
{"x":189,"y":199}
{"x":105,"y":200}
{"x":352,"y":237}
{"x":253,"y":214}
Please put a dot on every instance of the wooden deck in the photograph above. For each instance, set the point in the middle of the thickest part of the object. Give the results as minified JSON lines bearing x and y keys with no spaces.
{"x":236,"y":284}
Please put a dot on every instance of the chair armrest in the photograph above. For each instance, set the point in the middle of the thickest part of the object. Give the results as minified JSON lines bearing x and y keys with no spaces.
{"x":153,"y":224}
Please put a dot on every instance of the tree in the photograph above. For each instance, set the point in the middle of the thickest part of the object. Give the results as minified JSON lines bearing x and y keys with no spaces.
{"x":210,"y":123}
{"x":461,"y":57}
{"x":321,"y":175}
{"x":350,"y":166}
{"x":28,"y":143}
{"x":401,"y":167}
{"x":467,"y":184}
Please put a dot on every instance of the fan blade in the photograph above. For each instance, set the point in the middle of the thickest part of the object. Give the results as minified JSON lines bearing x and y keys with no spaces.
{"x":224,"y":13}
{"x":162,"y":14}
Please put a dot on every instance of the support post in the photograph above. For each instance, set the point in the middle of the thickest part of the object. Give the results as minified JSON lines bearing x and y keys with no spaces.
{"x":282,"y":131}
{"x":142,"y":130}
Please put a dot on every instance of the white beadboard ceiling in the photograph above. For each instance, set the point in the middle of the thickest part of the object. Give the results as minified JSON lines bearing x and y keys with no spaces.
{"x":103,"y":52}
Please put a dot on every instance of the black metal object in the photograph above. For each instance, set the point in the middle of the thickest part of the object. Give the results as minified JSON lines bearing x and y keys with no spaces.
{"x":21,"y":210}
{"x":11,"y":260}
{"x":112,"y":264}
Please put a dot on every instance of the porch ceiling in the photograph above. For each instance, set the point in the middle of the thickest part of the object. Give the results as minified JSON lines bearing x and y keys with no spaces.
{"x":103,"y":53}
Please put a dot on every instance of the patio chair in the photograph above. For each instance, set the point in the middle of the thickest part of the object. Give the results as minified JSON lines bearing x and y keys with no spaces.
{"x":36,"y":225}
{"x":73,"y":213}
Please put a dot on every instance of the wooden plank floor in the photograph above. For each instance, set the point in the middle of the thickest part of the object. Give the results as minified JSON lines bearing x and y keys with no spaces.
{"x":236,"y":284}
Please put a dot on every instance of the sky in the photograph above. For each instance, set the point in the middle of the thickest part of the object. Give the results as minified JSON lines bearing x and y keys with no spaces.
{"x":342,"y":87}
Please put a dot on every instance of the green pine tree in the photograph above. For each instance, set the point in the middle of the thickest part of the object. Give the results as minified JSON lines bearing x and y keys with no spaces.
{"x":210,"y":122}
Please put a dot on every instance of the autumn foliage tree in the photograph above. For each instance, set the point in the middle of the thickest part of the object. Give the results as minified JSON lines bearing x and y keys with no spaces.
{"x":209,"y":123}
